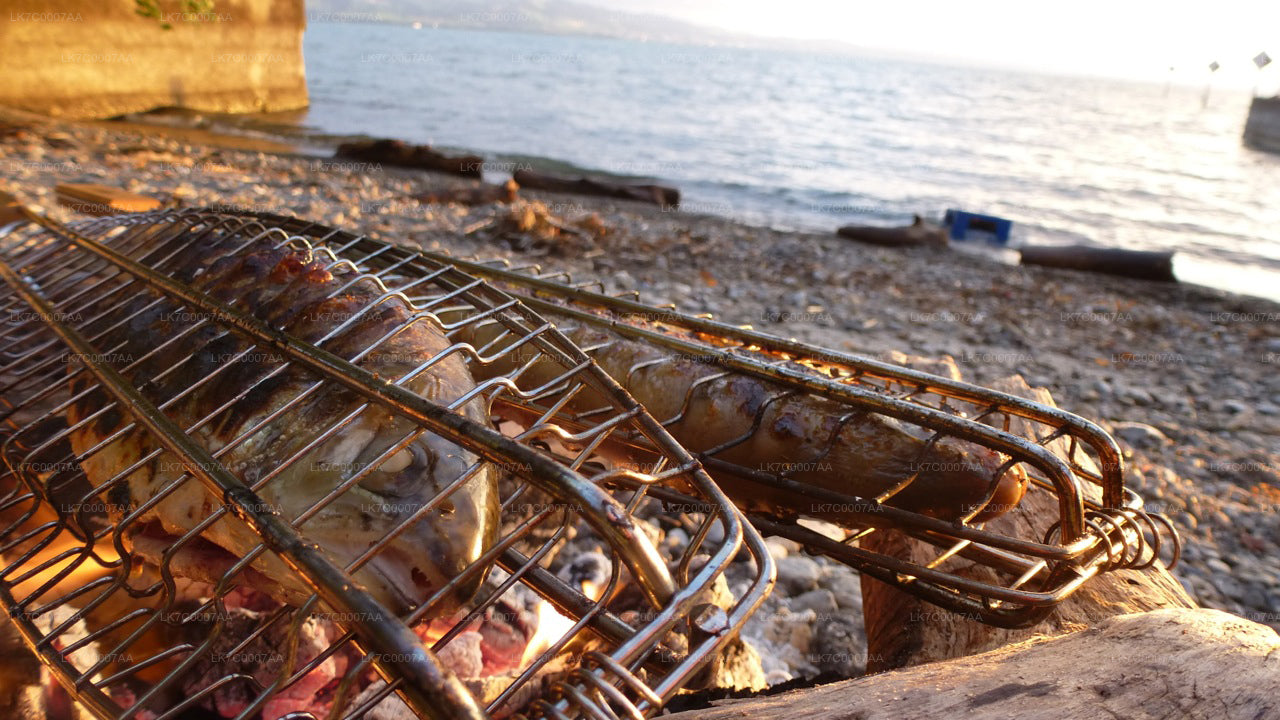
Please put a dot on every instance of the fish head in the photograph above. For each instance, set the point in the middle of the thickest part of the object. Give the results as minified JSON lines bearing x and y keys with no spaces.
{"x":441,"y":505}
{"x":423,"y":509}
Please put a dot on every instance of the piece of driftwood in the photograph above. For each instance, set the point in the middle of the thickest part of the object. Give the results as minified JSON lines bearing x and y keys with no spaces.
{"x":903,"y":630}
{"x":95,"y":199}
{"x":1139,"y":264}
{"x":918,"y":233}
{"x":1175,"y":663}
{"x":657,"y":194}
{"x":481,"y":194}
{"x":10,"y":208}
{"x":418,"y":157}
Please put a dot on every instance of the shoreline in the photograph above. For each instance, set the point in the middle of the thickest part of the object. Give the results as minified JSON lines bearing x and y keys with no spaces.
{"x":284,"y":133}
{"x":1195,"y":367}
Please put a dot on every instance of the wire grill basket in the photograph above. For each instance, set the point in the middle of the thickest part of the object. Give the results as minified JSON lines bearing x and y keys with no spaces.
{"x":1099,"y":525}
{"x":212,"y":501}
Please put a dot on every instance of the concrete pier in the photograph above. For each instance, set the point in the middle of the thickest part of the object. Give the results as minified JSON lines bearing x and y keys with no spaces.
{"x":1262,"y":129}
{"x":99,"y":58}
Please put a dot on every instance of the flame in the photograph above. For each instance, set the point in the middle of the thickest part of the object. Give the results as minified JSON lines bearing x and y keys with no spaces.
{"x":63,"y":543}
{"x":552,"y":625}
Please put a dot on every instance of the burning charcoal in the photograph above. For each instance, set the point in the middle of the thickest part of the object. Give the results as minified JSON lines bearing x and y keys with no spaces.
{"x":263,"y":660}
{"x":19,"y":677}
{"x":588,"y":572}
{"x":463,"y":655}
{"x":390,"y":708}
{"x":507,"y":631}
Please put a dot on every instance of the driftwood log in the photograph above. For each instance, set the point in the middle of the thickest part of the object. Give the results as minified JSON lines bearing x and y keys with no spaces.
{"x":903,"y":630}
{"x":656,"y":194}
{"x":418,"y":157}
{"x":1175,"y":663}
{"x":1139,"y":264}
{"x":917,"y":233}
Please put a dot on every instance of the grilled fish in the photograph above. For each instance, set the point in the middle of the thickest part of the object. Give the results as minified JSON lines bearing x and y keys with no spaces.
{"x":761,"y":426}
{"x":219,"y":388}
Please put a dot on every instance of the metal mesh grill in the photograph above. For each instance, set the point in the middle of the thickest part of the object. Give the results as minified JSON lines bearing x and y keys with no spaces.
{"x":1099,"y":525}
{"x":187,"y":516}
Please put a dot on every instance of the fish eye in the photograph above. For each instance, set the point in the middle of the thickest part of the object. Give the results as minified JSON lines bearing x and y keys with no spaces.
{"x":400,"y":473}
{"x":397,"y":462}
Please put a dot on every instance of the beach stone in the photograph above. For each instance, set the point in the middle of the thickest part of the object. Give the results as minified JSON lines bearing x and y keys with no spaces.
{"x":776,"y":677}
{"x":821,"y":601}
{"x":779,"y":548}
{"x":798,"y":574}
{"x":1140,"y":435}
{"x":1233,"y":406}
{"x":839,"y":646}
{"x":847,"y":590}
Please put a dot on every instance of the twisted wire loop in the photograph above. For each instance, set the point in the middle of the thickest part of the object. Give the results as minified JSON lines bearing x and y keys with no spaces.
{"x":601,"y":689}
{"x":132,"y":621}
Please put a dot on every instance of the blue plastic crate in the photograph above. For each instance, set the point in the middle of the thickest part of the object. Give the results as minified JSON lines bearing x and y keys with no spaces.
{"x":961,"y":222}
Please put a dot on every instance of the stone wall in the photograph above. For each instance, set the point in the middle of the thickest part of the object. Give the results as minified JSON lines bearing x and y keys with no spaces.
{"x":98,"y":58}
{"x":1262,"y":130}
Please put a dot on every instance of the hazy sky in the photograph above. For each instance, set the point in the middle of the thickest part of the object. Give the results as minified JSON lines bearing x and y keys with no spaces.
{"x":1137,"y":38}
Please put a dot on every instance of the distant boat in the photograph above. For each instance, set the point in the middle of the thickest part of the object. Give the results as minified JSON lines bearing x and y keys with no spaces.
{"x":1262,"y":129}
{"x":416,"y":25}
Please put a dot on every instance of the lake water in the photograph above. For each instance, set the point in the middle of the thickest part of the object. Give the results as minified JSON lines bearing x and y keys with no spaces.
{"x":812,"y":142}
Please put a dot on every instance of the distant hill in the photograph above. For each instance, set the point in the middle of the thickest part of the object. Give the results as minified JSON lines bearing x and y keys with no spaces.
{"x":553,"y":17}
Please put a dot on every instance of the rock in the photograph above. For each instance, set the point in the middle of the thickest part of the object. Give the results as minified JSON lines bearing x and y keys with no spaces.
{"x":846,"y":587}
{"x":737,"y":667}
{"x":798,"y":574}
{"x":1218,"y":566}
{"x":839,"y":646}
{"x":1233,"y":406}
{"x":820,"y":601}
{"x":780,"y":548}
{"x":777,"y":677}
{"x":1140,"y":435}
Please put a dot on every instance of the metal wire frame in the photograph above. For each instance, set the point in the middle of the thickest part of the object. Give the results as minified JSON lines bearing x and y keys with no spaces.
{"x":82,"y":565}
{"x":1089,"y":536}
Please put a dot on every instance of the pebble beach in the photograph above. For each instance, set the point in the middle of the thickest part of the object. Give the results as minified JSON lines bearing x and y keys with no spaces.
{"x":1186,"y":378}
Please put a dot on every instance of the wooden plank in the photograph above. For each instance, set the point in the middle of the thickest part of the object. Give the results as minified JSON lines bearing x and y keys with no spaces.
{"x":1176,"y":663}
{"x":95,"y":199}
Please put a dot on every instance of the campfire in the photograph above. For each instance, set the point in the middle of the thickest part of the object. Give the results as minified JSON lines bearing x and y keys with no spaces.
{"x":434,"y":494}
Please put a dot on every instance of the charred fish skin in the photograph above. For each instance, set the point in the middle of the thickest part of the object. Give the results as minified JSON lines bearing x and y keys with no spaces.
{"x":807,"y":438}
{"x":308,"y":298}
